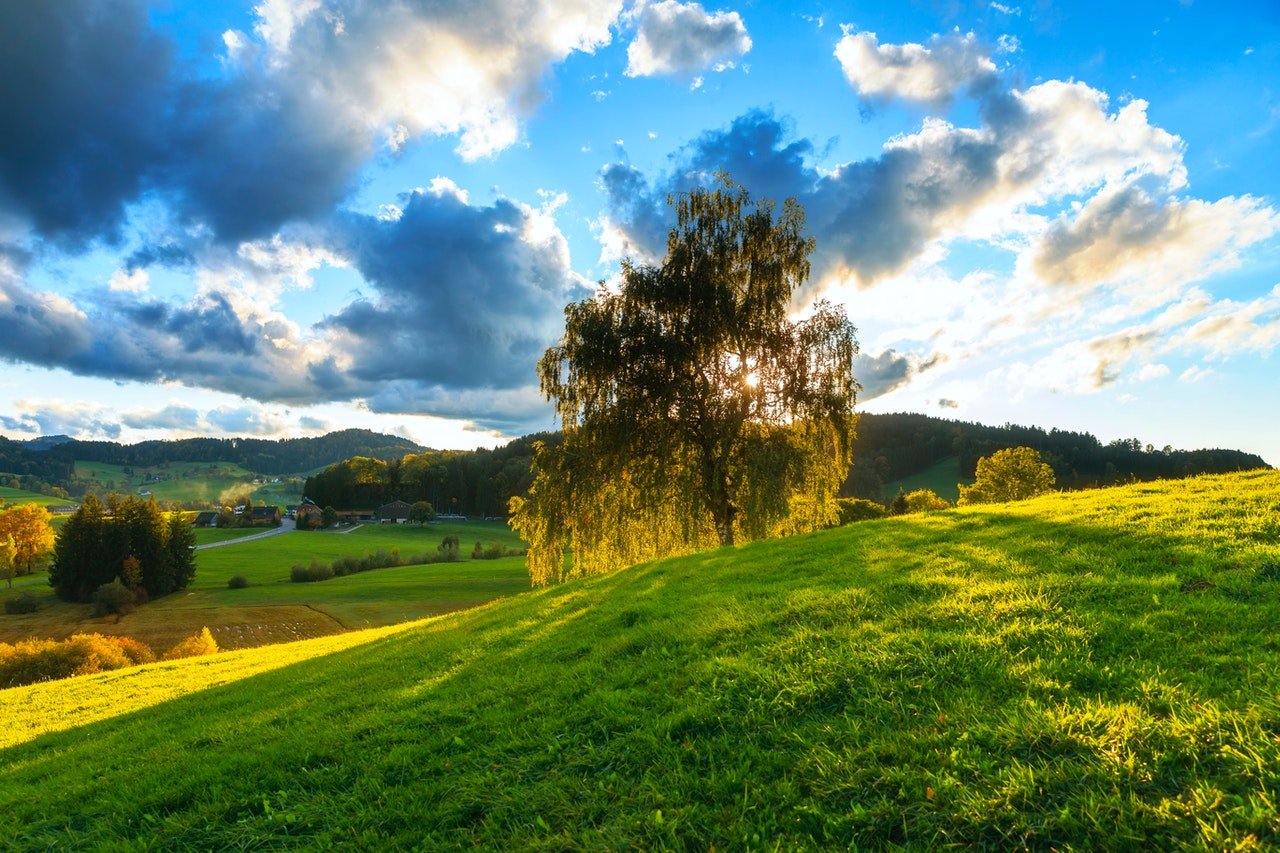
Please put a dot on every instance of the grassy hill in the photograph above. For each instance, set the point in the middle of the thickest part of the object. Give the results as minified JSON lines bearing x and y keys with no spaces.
{"x":1094,"y":670}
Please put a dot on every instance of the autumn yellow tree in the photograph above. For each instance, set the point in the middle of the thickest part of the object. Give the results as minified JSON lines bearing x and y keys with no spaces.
{"x":28,"y":526}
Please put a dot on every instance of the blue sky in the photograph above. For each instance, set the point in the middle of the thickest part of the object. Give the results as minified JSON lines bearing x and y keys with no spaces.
{"x":304,"y":215}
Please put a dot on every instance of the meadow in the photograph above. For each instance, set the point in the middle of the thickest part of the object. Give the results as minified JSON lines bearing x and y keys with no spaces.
{"x":13,"y":497}
{"x":191,"y":481}
{"x":1093,"y":670}
{"x":272,"y":610}
{"x":941,"y":479}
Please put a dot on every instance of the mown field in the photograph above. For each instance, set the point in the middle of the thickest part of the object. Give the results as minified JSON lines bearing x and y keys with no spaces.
{"x":1096,"y":670}
{"x":272,"y":609}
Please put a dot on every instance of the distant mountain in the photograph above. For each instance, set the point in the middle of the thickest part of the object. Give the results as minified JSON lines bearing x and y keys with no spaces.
{"x":45,"y":442}
{"x":263,"y":456}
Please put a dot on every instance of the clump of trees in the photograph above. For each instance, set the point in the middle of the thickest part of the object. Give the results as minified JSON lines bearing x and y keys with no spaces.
{"x":26,"y":540}
{"x":1012,"y":474}
{"x":34,"y":660}
{"x":127,"y":539}
{"x":694,"y":410}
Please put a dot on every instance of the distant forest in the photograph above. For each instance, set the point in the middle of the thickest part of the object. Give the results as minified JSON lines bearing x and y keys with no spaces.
{"x":375,"y":468}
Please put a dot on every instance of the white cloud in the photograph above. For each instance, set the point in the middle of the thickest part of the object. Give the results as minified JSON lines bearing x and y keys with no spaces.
{"x":1152,"y":371}
{"x":932,"y":74}
{"x":473,"y":68}
{"x":683,"y":39}
{"x":129,"y":281}
{"x":1195,"y":373}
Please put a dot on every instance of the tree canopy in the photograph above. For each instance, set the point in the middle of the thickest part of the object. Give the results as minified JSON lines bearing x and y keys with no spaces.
{"x":27,"y":525}
{"x":1008,"y":475}
{"x":694,"y":409}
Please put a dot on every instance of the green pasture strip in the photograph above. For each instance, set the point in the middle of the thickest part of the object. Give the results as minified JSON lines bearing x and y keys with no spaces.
{"x":940,"y":478}
{"x":210,"y":535}
{"x":1095,"y":670}
{"x":13,"y":497}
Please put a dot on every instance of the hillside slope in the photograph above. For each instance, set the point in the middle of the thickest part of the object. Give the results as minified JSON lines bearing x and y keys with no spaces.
{"x":1091,"y":670}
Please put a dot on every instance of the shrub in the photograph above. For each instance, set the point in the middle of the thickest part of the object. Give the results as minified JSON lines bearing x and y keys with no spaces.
{"x":858,"y":509}
{"x":477,"y":553}
{"x":238,"y":582}
{"x":926,"y":500}
{"x":200,"y":643}
{"x":298,"y":574}
{"x":344,"y":566}
{"x":114,"y":597}
{"x":81,"y":654}
{"x":319,"y":571}
{"x":450,"y":551}
{"x":23,"y":602}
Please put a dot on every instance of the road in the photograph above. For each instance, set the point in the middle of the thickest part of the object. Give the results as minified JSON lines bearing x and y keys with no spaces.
{"x":286,"y":526}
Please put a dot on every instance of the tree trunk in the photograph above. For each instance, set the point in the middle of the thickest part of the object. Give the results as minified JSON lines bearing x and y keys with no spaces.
{"x":715,"y":485}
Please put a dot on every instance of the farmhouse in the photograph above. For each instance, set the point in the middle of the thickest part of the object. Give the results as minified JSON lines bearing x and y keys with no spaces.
{"x":205,"y":519}
{"x":396,"y":512}
{"x":265,"y":516}
{"x":309,"y":515}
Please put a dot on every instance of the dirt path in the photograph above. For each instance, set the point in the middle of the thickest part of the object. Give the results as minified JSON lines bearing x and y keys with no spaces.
{"x":286,"y":526}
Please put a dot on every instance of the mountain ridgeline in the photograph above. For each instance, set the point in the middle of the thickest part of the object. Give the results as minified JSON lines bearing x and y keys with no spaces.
{"x":362,"y":469}
{"x":887,"y":448}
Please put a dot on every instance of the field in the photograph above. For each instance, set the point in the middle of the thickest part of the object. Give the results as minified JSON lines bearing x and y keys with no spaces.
{"x":191,"y":481}
{"x":12,"y":497}
{"x":941,"y":478}
{"x":1094,"y":670}
{"x":272,"y":609}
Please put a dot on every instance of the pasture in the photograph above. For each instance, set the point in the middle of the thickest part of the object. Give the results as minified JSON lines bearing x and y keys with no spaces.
{"x":191,"y":481}
{"x":940,"y":478}
{"x":1092,"y":670}
{"x":272,"y":609}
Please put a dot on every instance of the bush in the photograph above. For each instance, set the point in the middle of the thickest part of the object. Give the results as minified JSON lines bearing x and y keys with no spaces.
{"x":298,"y":574}
{"x":82,"y":654}
{"x":926,"y":500}
{"x":200,"y":643}
{"x":450,"y":551}
{"x":24,"y":602}
{"x":114,"y":597}
{"x":858,"y":509}
{"x":317,"y":571}
{"x":238,"y":582}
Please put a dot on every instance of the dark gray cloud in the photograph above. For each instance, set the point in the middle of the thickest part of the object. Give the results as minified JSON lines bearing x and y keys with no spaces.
{"x":944,"y":403}
{"x":466,"y":297}
{"x":870,"y":218}
{"x":86,"y":92}
{"x":890,"y":370}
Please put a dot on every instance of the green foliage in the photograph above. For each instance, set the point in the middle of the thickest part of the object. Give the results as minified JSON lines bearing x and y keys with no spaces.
{"x":328,"y":516}
{"x":421,"y":513}
{"x":23,"y":602}
{"x":1013,"y":474}
{"x":694,"y":411}
{"x":200,"y":643}
{"x":114,"y":597}
{"x":316,"y":571}
{"x":925,"y":500}
{"x":237,"y":582}
{"x":95,"y":543}
{"x":33,"y":660}
{"x":858,"y":509}
{"x":899,"y":504}
{"x":450,"y":550}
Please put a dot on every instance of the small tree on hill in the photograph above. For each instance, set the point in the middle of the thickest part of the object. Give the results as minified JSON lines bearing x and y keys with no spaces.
{"x":898,"y":506}
{"x":1008,"y":475}
{"x":7,"y":568}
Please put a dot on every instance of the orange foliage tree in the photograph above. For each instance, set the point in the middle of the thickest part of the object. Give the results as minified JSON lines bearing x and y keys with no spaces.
{"x":28,"y":526}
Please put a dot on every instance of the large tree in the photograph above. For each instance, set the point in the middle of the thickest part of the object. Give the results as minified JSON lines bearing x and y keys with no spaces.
{"x":695,"y":410}
{"x":1013,"y":474}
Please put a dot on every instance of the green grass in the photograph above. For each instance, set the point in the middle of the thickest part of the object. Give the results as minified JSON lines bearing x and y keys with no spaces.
{"x":941,"y":478}
{"x":13,"y":497}
{"x":272,"y":609}
{"x":192,"y":481}
{"x":1095,"y":670}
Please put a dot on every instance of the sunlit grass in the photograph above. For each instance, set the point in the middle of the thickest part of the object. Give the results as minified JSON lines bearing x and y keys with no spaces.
{"x":1097,"y":670}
